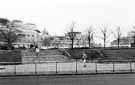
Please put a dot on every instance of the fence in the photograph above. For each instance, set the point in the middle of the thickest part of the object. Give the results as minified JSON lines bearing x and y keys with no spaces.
{"x":76,"y":67}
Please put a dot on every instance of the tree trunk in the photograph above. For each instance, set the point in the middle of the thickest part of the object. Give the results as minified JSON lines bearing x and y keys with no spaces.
{"x":9,"y":46}
{"x":104,"y":43}
{"x":118,"y":42}
{"x":89,"y":43}
{"x":72,"y":44}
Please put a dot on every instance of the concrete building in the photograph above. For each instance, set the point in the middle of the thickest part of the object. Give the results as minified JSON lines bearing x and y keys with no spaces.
{"x":44,"y":34}
{"x":31,"y":35}
{"x":64,"y":41}
{"x":124,"y":42}
{"x":3,"y":24}
{"x":29,"y":31}
{"x":59,"y":42}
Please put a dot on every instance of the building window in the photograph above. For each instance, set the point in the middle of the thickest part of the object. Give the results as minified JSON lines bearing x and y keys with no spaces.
{"x":51,"y":38}
{"x":32,"y":40}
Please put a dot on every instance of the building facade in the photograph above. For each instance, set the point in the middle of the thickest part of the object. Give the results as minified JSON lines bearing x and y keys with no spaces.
{"x":63,"y":41}
{"x":30,"y":32}
{"x":124,"y":42}
{"x":31,"y":36}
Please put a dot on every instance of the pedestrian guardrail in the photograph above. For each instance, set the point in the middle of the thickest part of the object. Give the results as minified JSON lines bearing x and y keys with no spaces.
{"x":75,"y":67}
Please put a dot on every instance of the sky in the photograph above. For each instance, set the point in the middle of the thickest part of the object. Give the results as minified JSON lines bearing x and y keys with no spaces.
{"x":57,"y":15}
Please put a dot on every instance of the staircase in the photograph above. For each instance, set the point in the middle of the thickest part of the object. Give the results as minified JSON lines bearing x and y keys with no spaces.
{"x":44,"y":56}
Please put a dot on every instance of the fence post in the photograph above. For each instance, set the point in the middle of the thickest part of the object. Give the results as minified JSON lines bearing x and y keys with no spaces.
{"x":113,"y":67}
{"x":130,"y":66}
{"x":33,"y":60}
{"x":15,"y":68}
{"x":56,"y":68}
{"x":76,"y":67}
{"x":96,"y":66}
{"x":35,"y":68}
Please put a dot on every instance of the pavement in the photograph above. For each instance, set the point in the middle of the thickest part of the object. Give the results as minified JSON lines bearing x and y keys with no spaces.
{"x":101,"y":79}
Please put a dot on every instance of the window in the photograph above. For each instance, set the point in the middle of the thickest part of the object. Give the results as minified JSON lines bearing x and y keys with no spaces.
{"x":32,"y":40}
{"x":51,"y":38}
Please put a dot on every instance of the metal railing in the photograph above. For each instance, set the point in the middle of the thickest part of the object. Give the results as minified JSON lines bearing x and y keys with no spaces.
{"x":64,"y":52}
{"x":76,"y":67}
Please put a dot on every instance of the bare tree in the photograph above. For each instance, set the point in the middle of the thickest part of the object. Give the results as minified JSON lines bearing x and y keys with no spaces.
{"x":118,"y":35}
{"x":72,"y":34}
{"x":9,"y":33}
{"x":105,"y":36}
{"x":89,"y":35}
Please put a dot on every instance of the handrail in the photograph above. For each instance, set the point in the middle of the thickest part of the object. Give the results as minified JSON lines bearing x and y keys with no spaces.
{"x":65,"y":52}
{"x":92,"y":61}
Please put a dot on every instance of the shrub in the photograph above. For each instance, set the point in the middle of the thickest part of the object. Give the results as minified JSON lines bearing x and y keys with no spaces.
{"x":104,"y":53}
{"x":22,"y":48}
{"x":10,"y":57}
{"x":5,"y":47}
{"x":94,"y":55}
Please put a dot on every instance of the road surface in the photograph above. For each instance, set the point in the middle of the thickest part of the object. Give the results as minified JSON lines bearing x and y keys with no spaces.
{"x":103,"y":79}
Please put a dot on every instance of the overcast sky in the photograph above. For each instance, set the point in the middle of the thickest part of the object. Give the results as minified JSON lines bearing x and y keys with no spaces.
{"x":56,"y":15}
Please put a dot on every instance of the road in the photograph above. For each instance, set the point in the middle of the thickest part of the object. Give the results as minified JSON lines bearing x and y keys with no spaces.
{"x":102,"y":79}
